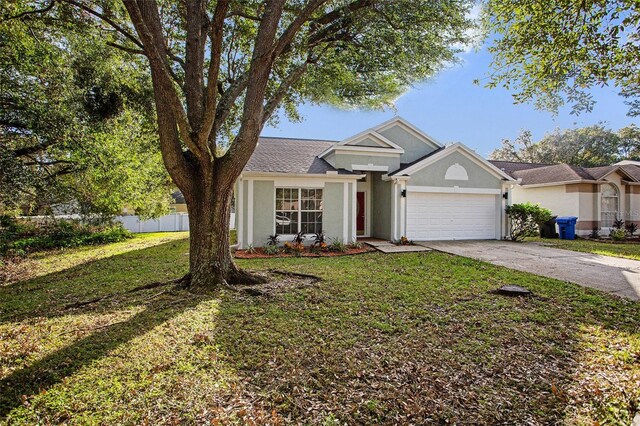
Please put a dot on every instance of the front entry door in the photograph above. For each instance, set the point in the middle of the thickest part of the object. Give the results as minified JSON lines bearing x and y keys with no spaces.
{"x":360,"y":219}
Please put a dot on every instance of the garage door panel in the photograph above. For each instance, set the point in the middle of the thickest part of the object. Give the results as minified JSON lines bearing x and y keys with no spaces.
{"x":437,"y":216}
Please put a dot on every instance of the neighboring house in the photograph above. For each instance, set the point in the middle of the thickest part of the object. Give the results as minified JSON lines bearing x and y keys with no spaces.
{"x":595,"y":195}
{"x":389,"y":181}
{"x":178,"y":203}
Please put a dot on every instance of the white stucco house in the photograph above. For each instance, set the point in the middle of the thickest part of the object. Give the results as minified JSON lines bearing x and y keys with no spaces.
{"x":595,"y":195}
{"x":389,"y":181}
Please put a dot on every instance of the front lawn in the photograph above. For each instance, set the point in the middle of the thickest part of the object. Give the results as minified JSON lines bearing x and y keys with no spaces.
{"x":392,"y":339}
{"x":608,"y":248}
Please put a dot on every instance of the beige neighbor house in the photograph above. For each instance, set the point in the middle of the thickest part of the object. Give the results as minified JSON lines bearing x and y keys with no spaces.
{"x":595,"y":195}
{"x":389,"y":181}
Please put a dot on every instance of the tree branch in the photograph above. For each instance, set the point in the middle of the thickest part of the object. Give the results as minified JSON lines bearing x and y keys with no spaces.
{"x":126,"y":49}
{"x":282,"y":90}
{"x":146,"y":20}
{"x":216,"y":35}
{"x":31,"y":12}
{"x":106,"y":19}
{"x":338,"y":13}
{"x":243,"y":14}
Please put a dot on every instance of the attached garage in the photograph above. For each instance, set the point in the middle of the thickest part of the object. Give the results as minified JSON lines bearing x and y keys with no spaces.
{"x":452,"y":216}
{"x":451,"y":194}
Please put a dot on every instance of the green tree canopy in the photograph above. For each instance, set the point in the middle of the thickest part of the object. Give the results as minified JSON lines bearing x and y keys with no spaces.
{"x":76,"y":120}
{"x":221,"y":69}
{"x":587,"y":146}
{"x":552,"y":52}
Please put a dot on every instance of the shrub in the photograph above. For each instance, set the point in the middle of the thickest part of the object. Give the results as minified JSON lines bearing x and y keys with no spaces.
{"x":618,"y":224}
{"x":337,"y":246}
{"x":525,"y":220}
{"x":355,"y":245}
{"x":298,"y":238}
{"x":595,"y":233}
{"x":273,"y":240}
{"x":319,"y":238}
{"x":251,"y":249}
{"x":404,"y":241}
{"x":631,"y":228}
{"x":271,"y":249}
{"x":618,"y":234}
{"x":294,"y":248}
{"x":18,"y":237}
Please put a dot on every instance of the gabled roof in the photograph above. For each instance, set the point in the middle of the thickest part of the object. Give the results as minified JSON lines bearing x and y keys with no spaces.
{"x":369,"y":134}
{"x":405,"y":166}
{"x":432,"y":157}
{"x":386,"y":146}
{"x":295,"y":156}
{"x":633,"y":171}
{"x":397,"y":120}
{"x":546,"y":174}
{"x":511,"y":166}
{"x":550,"y":174}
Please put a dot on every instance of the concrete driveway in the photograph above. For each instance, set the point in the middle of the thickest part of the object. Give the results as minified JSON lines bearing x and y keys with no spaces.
{"x":611,"y":274}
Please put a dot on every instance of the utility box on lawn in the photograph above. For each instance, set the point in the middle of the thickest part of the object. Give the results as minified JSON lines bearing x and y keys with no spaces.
{"x":567,"y":227}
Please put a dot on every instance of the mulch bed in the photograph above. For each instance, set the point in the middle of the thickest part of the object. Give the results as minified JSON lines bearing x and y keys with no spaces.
{"x":259,"y":253}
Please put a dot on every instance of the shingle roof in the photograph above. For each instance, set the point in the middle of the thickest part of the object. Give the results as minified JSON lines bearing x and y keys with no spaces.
{"x":512,"y":166}
{"x":404,"y":166}
{"x":632,"y":170}
{"x":551,"y":174}
{"x":284,"y":155}
{"x":536,"y":173}
{"x":600,"y":172}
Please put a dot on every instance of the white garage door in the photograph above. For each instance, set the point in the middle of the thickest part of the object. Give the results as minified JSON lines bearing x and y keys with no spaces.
{"x":435,"y":216}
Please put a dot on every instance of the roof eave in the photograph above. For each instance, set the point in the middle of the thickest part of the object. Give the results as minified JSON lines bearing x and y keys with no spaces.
{"x":350,"y":176}
{"x":564,"y":182}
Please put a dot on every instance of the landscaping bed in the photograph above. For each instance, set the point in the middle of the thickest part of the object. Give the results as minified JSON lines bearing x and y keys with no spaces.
{"x":259,"y":253}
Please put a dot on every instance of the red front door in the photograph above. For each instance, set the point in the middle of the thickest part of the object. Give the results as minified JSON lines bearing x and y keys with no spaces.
{"x":360,"y":221}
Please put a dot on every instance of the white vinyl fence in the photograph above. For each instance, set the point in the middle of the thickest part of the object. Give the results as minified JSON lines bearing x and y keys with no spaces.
{"x":173,"y":222}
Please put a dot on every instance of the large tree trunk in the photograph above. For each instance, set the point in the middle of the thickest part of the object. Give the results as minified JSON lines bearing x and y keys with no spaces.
{"x":210,"y":263}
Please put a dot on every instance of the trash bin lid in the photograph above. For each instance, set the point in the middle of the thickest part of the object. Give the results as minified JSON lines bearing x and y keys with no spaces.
{"x":566,"y":219}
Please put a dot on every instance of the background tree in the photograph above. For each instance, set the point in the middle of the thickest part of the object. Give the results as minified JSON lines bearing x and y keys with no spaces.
{"x":76,"y":121}
{"x":221,"y":69}
{"x":552,"y":52}
{"x":587,"y":146}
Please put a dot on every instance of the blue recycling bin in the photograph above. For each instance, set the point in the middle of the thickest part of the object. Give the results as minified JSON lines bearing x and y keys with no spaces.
{"x":567,"y":227}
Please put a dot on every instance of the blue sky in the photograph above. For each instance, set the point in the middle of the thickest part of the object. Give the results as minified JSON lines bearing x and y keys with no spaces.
{"x":451,"y":108}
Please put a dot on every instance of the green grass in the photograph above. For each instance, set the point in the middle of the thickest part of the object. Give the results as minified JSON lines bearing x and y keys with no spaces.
{"x":609,"y":248}
{"x":382,"y":339}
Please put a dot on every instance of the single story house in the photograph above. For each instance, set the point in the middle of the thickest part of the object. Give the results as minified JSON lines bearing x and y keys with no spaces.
{"x":595,"y":195}
{"x":389,"y":181}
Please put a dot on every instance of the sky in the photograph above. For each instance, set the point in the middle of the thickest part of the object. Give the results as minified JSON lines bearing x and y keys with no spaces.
{"x":450,"y":108}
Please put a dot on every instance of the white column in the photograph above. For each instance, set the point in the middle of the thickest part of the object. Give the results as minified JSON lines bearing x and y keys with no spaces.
{"x":403,"y":209}
{"x":250,"y":211}
{"x":345,"y":211}
{"x":354,"y":208}
{"x":394,"y":210}
{"x":240,"y":213}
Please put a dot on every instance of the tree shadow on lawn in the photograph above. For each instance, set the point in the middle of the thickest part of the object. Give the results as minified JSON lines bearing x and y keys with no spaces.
{"x":384,"y":339}
{"x":44,"y":298}
{"x":48,"y":295}
{"x":420,"y":339}
{"x":55,"y":367}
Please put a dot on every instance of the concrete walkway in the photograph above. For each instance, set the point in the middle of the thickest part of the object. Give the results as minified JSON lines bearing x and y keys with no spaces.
{"x":389,"y":247}
{"x":611,"y":274}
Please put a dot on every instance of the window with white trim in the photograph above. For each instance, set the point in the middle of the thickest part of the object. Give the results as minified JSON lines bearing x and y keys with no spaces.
{"x":298,"y":209}
{"x":609,"y":204}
